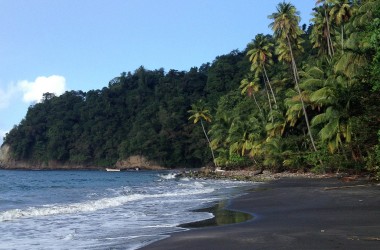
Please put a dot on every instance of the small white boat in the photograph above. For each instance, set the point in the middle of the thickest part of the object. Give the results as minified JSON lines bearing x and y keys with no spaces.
{"x":112,"y":170}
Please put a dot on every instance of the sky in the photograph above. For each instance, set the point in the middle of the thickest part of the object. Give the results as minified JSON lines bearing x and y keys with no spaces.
{"x":62,"y":45}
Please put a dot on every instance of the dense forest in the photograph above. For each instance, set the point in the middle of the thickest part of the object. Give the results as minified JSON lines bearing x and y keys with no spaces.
{"x":302,"y":98}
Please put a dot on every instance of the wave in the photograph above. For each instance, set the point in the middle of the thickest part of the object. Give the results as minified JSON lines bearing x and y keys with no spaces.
{"x":195,"y":184}
{"x":161,"y":226}
{"x":90,"y":206}
{"x":169,"y":176}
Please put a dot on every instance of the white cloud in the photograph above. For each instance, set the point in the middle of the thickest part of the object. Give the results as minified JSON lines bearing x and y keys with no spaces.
{"x":33,"y":91}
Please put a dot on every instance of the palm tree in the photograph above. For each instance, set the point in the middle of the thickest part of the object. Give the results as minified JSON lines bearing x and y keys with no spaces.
{"x":199,"y":112}
{"x":249,"y":88}
{"x":274,"y":153}
{"x":321,"y":36}
{"x":261,"y":56}
{"x":335,"y":128}
{"x":326,"y":29}
{"x":219,"y":133}
{"x":357,"y":55}
{"x":340,"y":14}
{"x":332,"y":94}
{"x":245,"y":136}
{"x":286,"y":29}
{"x":366,"y":11}
{"x":277,"y":126}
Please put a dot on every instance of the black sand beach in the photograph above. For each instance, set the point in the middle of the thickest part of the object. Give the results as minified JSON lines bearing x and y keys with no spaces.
{"x":295,"y":214}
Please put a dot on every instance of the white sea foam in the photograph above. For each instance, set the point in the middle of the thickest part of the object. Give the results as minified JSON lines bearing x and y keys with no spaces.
{"x":161,"y":226}
{"x":68,"y":237}
{"x":169,"y":176}
{"x":91,"y":210}
{"x":195,"y":184}
{"x":91,"y":206}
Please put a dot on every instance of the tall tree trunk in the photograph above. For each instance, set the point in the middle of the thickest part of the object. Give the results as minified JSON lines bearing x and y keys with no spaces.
{"x":296,"y":77}
{"x":209,"y":143}
{"x":269,"y":100}
{"x":342,"y":37}
{"x":257,"y":104}
{"x":329,"y":41}
{"x":270,"y":85}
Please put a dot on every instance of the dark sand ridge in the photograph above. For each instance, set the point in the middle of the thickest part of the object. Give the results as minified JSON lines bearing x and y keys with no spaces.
{"x":295,"y":214}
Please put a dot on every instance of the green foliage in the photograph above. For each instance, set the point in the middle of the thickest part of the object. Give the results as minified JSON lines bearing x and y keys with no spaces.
{"x":323,"y":161}
{"x":199,"y":112}
{"x":373,"y":160}
{"x":237,"y":161}
{"x":375,"y":43}
{"x":224,"y":75}
{"x":256,"y":106}
{"x":144,"y":112}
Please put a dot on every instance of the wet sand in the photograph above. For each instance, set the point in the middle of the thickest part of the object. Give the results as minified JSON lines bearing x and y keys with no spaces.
{"x":294,"y":214}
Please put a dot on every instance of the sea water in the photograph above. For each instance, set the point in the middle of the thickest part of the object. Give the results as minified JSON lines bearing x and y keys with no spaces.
{"x":99,"y":209}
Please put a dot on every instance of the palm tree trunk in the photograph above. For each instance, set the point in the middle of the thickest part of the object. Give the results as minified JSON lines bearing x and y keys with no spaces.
{"x":257,"y":104}
{"x":209,"y":143}
{"x":342,"y":37}
{"x":296,"y":77}
{"x":331,"y":46}
{"x":328,"y":44}
{"x":329,"y":41}
{"x":269,"y":100}
{"x":270,"y":86}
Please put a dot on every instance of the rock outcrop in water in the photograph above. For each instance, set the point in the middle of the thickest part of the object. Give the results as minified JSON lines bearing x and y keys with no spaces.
{"x":137,"y":161}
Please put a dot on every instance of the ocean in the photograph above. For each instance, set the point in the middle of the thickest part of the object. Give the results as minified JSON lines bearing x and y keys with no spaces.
{"x":101,"y":210}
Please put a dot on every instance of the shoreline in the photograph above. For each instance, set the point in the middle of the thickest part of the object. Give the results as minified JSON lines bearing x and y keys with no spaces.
{"x":294,"y":213}
{"x":222,"y":216}
{"x":265,"y":176}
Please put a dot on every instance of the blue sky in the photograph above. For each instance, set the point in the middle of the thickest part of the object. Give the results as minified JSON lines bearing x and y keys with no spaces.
{"x":59,"y":45}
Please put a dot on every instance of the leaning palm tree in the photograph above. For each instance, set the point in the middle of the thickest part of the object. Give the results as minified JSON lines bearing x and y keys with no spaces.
{"x":261,"y":57}
{"x":249,"y":88}
{"x":286,"y":29}
{"x":199,"y":112}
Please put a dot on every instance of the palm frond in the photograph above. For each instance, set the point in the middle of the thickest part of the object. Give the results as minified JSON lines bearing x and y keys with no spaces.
{"x":322,"y":96}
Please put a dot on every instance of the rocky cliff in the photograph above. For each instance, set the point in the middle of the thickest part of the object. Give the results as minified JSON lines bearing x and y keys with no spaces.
{"x":138,"y":161}
{"x":4,"y":154}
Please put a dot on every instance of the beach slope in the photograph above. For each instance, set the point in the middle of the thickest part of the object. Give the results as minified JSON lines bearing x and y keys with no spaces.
{"x":295,"y":214}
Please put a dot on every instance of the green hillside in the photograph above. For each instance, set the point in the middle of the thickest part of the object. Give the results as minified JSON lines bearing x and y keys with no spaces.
{"x":300,"y":98}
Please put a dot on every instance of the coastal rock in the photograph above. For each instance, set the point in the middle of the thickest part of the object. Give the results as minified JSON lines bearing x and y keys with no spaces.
{"x":4,"y":154}
{"x":137,"y":161}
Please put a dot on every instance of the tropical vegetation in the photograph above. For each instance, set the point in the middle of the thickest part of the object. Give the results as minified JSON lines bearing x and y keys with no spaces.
{"x":302,"y":98}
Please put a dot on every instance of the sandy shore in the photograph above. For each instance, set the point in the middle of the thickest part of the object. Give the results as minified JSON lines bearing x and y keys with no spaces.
{"x":295,"y":213}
